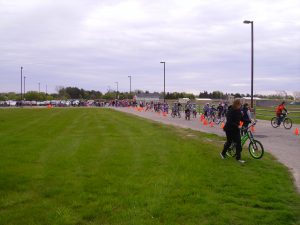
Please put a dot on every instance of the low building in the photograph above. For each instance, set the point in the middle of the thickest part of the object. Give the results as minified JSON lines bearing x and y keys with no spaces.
{"x":248,"y":100}
{"x":147,"y":97}
{"x":183,"y":100}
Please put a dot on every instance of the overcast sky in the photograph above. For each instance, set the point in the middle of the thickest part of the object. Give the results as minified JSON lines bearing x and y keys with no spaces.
{"x":92,"y":44}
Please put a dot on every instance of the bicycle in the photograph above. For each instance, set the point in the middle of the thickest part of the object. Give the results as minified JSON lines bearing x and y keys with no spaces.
{"x":187,"y":114}
{"x":211,"y":117}
{"x":219,"y":119}
{"x":194,"y":113}
{"x":175,"y":113}
{"x":287,"y":122}
{"x":256,"y":149}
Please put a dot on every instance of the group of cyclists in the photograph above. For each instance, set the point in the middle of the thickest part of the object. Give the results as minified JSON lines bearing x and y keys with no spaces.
{"x":211,"y":112}
{"x":237,"y":119}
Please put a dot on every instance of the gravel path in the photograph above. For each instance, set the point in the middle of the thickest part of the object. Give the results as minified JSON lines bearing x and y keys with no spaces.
{"x":282,"y":143}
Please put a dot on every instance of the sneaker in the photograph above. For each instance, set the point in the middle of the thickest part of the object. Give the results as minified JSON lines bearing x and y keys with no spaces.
{"x":222,"y":156}
{"x":241,"y":161}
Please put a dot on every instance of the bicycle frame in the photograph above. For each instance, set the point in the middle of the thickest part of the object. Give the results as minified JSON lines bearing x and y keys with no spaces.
{"x":247,"y":136}
{"x":255,"y":148}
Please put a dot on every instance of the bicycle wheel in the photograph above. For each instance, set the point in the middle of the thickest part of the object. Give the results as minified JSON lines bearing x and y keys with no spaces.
{"x":274,"y":122}
{"x":256,"y":149}
{"x":217,"y":120}
{"x":287,"y":123}
{"x":231,"y":152}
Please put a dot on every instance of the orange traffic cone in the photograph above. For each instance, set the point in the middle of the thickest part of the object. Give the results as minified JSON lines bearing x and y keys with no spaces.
{"x":205,"y":123}
{"x":201,"y":117}
{"x":222,"y":125}
{"x":296,"y":132}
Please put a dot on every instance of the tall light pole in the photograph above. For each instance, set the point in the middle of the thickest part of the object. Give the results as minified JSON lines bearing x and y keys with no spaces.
{"x":252,"y":61}
{"x":24,"y":88}
{"x":117,"y":89}
{"x":164,"y":80}
{"x":129,"y":84}
{"x":39,"y":87}
{"x":21,"y":82}
{"x":46,"y":89}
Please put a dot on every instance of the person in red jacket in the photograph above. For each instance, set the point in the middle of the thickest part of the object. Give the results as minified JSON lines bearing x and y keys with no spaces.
{"x":280,"y":111}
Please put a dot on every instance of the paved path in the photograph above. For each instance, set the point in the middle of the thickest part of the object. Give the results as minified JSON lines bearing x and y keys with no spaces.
{"x":282,"y":143}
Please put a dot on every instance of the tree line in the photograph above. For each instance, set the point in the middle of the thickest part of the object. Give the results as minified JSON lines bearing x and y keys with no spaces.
{"x":64,"y":93}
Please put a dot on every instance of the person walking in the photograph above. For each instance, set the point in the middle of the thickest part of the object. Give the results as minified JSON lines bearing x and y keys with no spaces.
{"x":232,"y":130}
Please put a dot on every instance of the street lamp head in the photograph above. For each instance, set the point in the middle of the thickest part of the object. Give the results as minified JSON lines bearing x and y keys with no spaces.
{"x":248,"y":21}
{"x":162,"y":62}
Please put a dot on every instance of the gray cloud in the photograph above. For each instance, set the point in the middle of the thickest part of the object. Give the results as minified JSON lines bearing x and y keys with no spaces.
{"x":205,"y":44}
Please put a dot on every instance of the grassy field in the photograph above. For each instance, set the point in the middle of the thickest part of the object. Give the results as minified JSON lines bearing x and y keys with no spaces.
{"x":267,"y":113}
{"x":98,"y":166}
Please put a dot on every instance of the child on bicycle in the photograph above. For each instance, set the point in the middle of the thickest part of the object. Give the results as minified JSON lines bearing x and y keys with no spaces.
{"x":280,"y":112}
{"x":220,"y":109}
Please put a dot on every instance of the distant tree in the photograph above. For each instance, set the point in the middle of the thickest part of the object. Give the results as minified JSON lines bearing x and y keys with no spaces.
{"x":204,"y":94}
{"x":74,"y":92}
{"x":35,"y":96}
{"x":62,"y":93}
{"x":139,"y":91}
{"x":217,"y":95}
{"x":9,"y":96}
{"x":3,"y":97}
{"x":109,"y":95}
{"x":237,"y":95}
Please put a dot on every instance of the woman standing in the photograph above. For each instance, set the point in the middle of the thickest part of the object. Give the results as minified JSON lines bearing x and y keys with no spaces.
{"x":232,"y":130}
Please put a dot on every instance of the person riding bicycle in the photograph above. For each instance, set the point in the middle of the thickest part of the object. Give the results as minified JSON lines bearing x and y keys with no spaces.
{"x":175,"y":109}
{"x":280,"y":112}
{"x":188,"y":106}
{"x":212,"y":111}
{"x":206,"y":110}
{"x":232,"y":130}
{"x":220,"y":109}
{"x":194,"y":110}
{"x":225,"y":109}
{"x":188,"y":110}
{"x":246,"y":118}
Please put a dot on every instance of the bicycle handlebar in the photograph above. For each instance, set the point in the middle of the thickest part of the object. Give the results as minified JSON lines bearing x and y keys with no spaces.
{"x":251,"y":125}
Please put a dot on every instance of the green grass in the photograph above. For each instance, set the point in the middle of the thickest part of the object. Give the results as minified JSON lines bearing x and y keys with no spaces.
{"x":98,"y":166}
{"x":267,"y":113}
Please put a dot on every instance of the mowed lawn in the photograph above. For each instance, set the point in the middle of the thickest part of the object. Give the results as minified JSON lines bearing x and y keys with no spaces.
{"x":99,"y":166}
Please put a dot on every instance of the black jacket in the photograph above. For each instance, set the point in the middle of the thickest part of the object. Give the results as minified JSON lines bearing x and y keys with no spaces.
{"x":245,"y":117}
{"x":233,"y":120}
